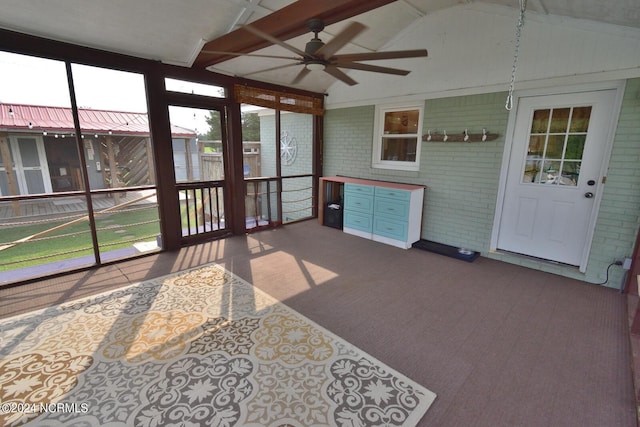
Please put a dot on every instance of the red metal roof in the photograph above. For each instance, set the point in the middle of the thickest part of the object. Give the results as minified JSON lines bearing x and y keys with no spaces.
{"x":60,"y":119}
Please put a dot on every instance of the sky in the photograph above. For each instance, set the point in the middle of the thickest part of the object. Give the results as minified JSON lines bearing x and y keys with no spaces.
{"x":37,"y":81}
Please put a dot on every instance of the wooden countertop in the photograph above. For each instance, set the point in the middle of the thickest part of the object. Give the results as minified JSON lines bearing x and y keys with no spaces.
{"x":387,"y":184}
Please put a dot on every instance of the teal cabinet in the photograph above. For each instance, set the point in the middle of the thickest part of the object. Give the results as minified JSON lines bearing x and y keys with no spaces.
{"x":385,"y":212}
{"x":358,"y":209}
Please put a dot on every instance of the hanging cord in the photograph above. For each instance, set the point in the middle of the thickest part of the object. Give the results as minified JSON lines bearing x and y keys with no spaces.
{"x":509,"y":104}
{"x":607,"y":277}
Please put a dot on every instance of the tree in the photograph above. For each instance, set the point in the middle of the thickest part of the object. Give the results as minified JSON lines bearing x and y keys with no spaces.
{"x":215,"y":126}
{"x":250,"y":127}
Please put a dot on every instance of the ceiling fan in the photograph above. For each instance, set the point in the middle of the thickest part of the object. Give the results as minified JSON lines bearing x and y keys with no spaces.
{"x":320,"y":56}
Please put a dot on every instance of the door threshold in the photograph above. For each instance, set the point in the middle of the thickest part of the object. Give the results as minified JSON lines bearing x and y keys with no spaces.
{"x":527,"y":260}
{"x":536,"y":263}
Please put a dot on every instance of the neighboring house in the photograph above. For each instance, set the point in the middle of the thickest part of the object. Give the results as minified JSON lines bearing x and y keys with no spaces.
{"x":38,"y":152}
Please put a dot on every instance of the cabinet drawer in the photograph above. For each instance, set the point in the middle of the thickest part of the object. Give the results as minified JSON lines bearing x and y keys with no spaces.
{"x":397,"y":209}
{"x":394,"y":194}
{"x":358,"y":202}
{"x":389,"y":228}
{"x":358,"y":189}
{"x":358,"y":221}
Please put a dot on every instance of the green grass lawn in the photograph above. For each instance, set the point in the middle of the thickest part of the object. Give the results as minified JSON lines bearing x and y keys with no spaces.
{"x":115,"y":231}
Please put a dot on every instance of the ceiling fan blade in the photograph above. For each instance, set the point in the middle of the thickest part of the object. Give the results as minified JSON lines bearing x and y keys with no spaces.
{"x":271,"y":69}
{"x":373,"y":68}
{"x":273,"y":40}
{"x":341,"y":39}
{"x":338,"y":74}
{"x":373,"y":56}
{"x":301,"y":75}
{"x":255,"y":55}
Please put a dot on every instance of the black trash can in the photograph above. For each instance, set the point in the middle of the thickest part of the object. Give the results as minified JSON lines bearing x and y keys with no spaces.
{"x":333,"y":215}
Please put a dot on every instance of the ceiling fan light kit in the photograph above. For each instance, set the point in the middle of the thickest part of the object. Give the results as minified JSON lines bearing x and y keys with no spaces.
{"x":315,"y":66}
{"x":320,"y":56}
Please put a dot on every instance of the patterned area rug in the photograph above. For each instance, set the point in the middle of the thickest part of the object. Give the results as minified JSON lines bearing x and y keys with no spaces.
{"x":198,"y":348}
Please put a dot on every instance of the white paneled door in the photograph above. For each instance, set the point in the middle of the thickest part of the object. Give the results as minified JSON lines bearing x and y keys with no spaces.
{"x":32,"y":171}
{"x":555,"y":173}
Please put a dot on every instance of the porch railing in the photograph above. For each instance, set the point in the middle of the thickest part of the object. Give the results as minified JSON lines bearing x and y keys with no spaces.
{"x":201,"y":207}
{"x":271,"y":201}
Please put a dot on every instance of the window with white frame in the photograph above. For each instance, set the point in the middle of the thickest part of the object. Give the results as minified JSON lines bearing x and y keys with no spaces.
{"x":396,"y":143}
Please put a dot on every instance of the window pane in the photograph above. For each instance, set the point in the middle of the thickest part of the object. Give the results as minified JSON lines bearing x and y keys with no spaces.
{"x":115,"y":127}
{"x":401,"y":122}
{"x":194,"y":158}
{"x":555,"y":146}
{"x":45,"y":236}
{"x":559,"y":120}
{"x":550,"y":172}
{"x":540,"y":121}
{"x":116,"y":140}
{"x":34,"y":97}
{"x":296,"y":143}
{"x":184,"y":86}
{"x":127,"y":229}
{"x":531,"y":170}
{"x":580,"y":119}
{"x":536,"y":145}
{"x":570,"y":173}
{"x":399,"y":149}
{"x":575,"y":147}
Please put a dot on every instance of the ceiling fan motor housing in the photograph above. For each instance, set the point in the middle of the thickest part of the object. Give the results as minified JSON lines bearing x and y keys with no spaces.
{"x":313,"y":45}
{"x":315,"y":25}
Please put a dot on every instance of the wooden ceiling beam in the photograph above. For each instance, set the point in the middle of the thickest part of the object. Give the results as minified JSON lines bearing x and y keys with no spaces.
{"x":284,"y":24}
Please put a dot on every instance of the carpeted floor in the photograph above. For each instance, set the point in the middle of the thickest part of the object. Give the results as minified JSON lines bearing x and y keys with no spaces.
{"x":201,"y":347}
{"x":500,"y":344}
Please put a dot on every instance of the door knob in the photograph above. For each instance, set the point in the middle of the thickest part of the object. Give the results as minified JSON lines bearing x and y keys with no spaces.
{"x":588,"y":194}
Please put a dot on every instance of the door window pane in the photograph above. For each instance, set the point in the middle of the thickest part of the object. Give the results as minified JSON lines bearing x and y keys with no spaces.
{"x":296,"y":158}
{"x":555,"y":147}
{"x":575,"y":147}
{"x":554,"y":155}
{"x":196,"y":136}
{"x":559,"y":120}
{"x":29,"y":152}
{"x":540,"y":121}
{"x":536,"y":145}
{"x":580,"y":119}
{"x":198,"y":159}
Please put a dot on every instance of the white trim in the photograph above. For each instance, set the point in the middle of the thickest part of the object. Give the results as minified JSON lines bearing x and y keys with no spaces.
{"x":378,"y":133}
{"x":615,"y":114}
{"x":619,"y":86}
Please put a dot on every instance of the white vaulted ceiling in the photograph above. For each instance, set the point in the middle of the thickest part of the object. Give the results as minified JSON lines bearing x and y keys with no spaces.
{"x":174,"y":31}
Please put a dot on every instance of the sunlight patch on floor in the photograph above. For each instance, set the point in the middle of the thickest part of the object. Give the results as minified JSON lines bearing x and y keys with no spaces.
{"x":294,"y":275}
